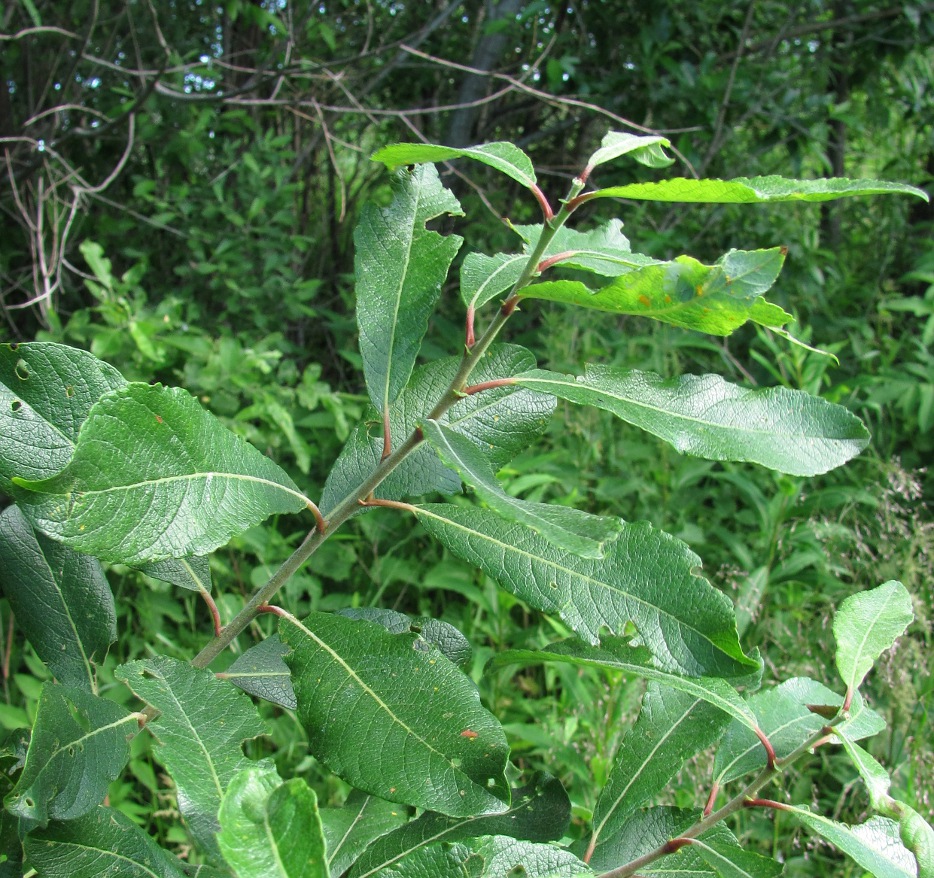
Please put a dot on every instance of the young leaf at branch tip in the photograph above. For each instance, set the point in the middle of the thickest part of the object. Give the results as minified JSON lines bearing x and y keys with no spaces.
{"x":507,"y":158}
{"x":645,"y":149}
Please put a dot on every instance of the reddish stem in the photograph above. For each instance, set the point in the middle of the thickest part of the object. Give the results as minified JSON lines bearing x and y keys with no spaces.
{"x":765,"y":803}
{"x":708,"y":808}
{"x":8,"y":649}
{"x":215,"y":615}
{"x":509,"y":305}
{"x":543,"y":203}
{"x":387,"y":438}
{"x":675,"y":844}
{"x":471,"y":337}
{"x":545,"y":264}
{"x":272,"y":608}
{"x":848,"y":699}
{"x":488,"y":385}
{"x":389,"y":504}
{"x":769,"y":749}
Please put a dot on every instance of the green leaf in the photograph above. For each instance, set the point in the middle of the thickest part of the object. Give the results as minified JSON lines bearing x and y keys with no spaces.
{"x":104,"y":842}
{"x":786,"y":430}
{"x":505,"y":157}
{"x":618,"y":654}
{"x":193,"y":572}
{"x":156,"y":476}
{"x":874,"y":776}
{"x":62,"y":601}
{"x":502,"y":421}
{"x":715,"y":299}
{"x":875,"y":845}
{"x":862,"y":721}
{"x":262,"y":672}
{"x":394,"y":719}
{"x":485,"y":277}
{"x":866,"y":625}
{"x":46,"y":392}
{"x":647,"y":579}
{"x":752,"y":190}
{"x":540,"y":811}
{"x":568,"y":529}
{"x":79,"y":745}
{"x":349,"y":830}
{"x":271,"y":829}
{"x":733,"y":861}
{"x":672,"y":727}
{"x":400,"y":267}
{"x":647,"y":150}
{"x":918,"y":836}
{"x":202,"y":724}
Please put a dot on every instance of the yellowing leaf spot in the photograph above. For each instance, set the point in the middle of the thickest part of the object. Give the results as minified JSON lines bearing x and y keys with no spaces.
{"x":699,"y":290}
{"x":645,"y":300}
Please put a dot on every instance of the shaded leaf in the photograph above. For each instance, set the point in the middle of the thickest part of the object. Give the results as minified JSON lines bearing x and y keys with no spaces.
{"x":647,"y":150}
{"x":648,"y":579}
{"x":786,"y":430}
{"x":62,"y":600}
{"x":505,"y":157}
{"x":393,"y":719}
{"x":193,"y":572}
{"x":155,"y":476}
{"x":349,"y":830}
{"x":485,"y":277}
{"x":262,"y":672}
{"x":400,"y":266}
{"x":733,"y":861}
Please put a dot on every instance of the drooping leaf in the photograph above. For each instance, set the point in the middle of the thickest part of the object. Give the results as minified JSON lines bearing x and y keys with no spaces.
{"x":79,"y":745}
{"x":271,"y":829}
{"x":62,"y":600}
{"x":193,"y":572}
{"x":753,"y":190}
{"x":502,"y":421}
{"x":672,"y":727}
{"x":505,"y":157}
{"x":349,"y":830}
{"x":733,"y":861}
{"x":400,"y":266}
{"x":568,"y":529}
{"x":645,"y":149}
{"x":394,"y":719}
{"x":866,"y":625}
{"x":917,"y":835}
{"x":102,"y":843}
{"x":715,"y":299}
{"x":46,"y":392}
{"x":647,"y":579}
{"x":201,"y":727}
{"x":786,"y":430}
{"x":540,"y":812}
{"x":874,"y":776}
{"x":875,"y":845}
{"x":155,"y":476}
{"x":617,"y":653}
{"x":262,"y":672}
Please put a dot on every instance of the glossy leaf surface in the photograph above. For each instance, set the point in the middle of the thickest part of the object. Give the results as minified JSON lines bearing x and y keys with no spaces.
{"x":394,"y":719}
{"x":155,"y":476}
{"x":261,"y":670}
{"x":349,"y":830}
{"x":786,"y":430}
{"x":505,"y":157}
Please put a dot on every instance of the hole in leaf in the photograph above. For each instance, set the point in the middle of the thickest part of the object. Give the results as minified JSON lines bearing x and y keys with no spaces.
{"x":29,"y":802}
{"x":69,"y":391}
{"x":22,"y":370}
{"x":14,"y":345}
{"x":16,"y":405}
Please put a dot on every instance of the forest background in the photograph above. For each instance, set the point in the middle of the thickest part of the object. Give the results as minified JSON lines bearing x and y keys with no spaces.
{"x":178,"y":191}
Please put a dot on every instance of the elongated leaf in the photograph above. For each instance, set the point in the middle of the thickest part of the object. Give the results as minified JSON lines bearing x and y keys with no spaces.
{"x":866,"y":625}
{"x":193,"y":573}
{"x":502,"y":421}
{"x":104,"y":842}
{"x":349,"y":830}
{"x":672,"y":727}
{"x":155,"y":476}
{"x":715,"y":299}
{"x":645,"y":149}
{"x":400,"y":267}
{"x":46,"y":392}
{"x":862,"y":722}
{"x":202,"y":724}
{"x":875,"y":844}
{"x":262,"y":672}
{"x":393,"y":719}
{"x":618,"y":654}
{"x":271,"y":829}
{"x":874,"y":776}
{"x":62,"y":600}
{"x":485,"y":277}
{"x":505,"y":157}
{"x":79,"y":745}
{"x":647,"y":579}
{"x":539,"y":812}
{"x":785,"y":430}
{"x":568,"y":529}
{"x":732,"y":861}
{"x":753,"y":190}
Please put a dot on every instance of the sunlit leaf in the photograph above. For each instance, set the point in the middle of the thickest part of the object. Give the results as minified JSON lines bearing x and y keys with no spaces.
{"x":645,"y":149}
{"x":505,"y":157}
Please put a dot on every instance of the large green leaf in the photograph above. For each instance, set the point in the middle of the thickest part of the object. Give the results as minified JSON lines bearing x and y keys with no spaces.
{"x":785,"y":430}
{"x":502,"y":421}
{"x":155,"y":476}
{"x":349,"y":830}
{"x":79,"y":745}
{"x":645,"y":149}
{"x":271,"y":829}
{"x":400,"y":267}
{"x":540,"y":811}
{"x":618,"y":654}
{"x":62,"y":600}
{"x":672,"y":727}
{"x":647,"y":579}
{"x":733,"y":861}
{"x":752,"y":190}
{"x":866,"y":625}
{"x":567,"y":528}
{"x":201,"y":727}
{"x":262,"y":672}
{"x":505,"y":157}
{"x":102,"y":843}
{"x":715,"y":299}
{"x":861,"y":722}
{"x":394,"y":719}
{"x":46,"y":392}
